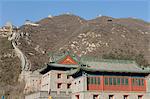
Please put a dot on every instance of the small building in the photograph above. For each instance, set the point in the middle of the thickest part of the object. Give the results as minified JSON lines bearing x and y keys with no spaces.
{"x":28,"y":22}
{"x":70,"y":77}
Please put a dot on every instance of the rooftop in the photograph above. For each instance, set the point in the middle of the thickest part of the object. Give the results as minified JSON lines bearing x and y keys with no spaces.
{"x":96,"y":64}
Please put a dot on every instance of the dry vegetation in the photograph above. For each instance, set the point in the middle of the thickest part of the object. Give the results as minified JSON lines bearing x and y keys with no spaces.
{"x":9,"y":70}
{"x":104,"y":36}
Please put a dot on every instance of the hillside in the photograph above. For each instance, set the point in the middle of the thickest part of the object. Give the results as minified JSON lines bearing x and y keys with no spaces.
{"x":105,"y":37}
{"x":9,"y":70}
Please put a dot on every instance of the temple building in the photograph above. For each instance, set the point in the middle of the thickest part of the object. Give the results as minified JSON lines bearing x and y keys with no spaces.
{"x":67,"y":76}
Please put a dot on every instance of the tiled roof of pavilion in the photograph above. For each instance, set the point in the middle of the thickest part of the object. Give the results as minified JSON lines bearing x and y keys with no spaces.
{"x":62,"y":65}
{"x":60,"y":56}
{"x":105,"y":65}
{"x":95,"y":64}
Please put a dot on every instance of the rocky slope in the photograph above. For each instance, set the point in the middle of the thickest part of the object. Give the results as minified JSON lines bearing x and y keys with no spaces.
{"x":105,"y":37}
{"x":9,"y":70}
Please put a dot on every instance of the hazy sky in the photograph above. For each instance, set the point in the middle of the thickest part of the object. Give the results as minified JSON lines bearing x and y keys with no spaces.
{"x":17,"y":11}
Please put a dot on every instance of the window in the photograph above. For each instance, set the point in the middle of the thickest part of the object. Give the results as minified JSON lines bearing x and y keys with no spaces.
{"x":133,"y":82}
{"x":137,"y":82}
{"x":118,"y":81}
{"x":58,"y":75}
{"x":106,"y":81}
{"x":122,"y":81}
{"x":68,"y":76}
{"x":79,"y":82}
{"x":68,"y":86}
{"x":111,"y":96}
{"x":125,"y":97}
{"x":140,"y":96}
{"x":142,"y":80}
{"x":95,"y":96}
{"x":114,"y":81}
{"x":88,"y":80}
{"x":94,"y":80}
{"x":59,"y":85}
{"x":110,"y":81}
{"x":77,"y":97}
{"x":126,"y":81}
{"x":99,"y":81}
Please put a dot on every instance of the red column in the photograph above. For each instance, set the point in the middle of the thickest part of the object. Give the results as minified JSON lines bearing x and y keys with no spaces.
{"x":102,"y":82}
{"x":130,"y":84}
{"x":145,"y":84}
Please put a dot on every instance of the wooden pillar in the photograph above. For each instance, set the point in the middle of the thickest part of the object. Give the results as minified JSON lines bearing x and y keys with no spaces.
{"x":102,"y":82}
{"x":130,"y":83}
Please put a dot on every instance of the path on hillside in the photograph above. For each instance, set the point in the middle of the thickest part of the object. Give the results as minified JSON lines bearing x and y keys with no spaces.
{"x":24,"y":62}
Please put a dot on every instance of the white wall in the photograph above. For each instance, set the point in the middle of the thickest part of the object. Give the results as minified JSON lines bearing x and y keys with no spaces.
{"x":105,"y":95}
{"x":79,"y":84}
{"x":37,"y":95}
{"x":148,"y":83}
{"x":45,"y":81}
{"x":32,"y":82}
{"x":50,"y":81}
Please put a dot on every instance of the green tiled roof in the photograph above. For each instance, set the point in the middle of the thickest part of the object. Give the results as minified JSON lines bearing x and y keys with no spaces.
{"x":91,"y":69}
{"x":102,"y":65}
{"x":97,"y":59}
{"x":115,"y":67}
{"x":63,"y":65}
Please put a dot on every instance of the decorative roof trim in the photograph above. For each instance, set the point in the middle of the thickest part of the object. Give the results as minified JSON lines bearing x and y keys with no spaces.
{"x":97,"y":59}
{"x":74,"y":71}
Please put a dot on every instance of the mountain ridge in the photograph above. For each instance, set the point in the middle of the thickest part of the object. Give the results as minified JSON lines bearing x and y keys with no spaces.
{"x":125,"y":37}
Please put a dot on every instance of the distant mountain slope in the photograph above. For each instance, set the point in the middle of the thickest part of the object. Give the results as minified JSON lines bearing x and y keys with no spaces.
{"x":9,"y":63}
{"x":9,"y":70}
{"x":104,"y":36}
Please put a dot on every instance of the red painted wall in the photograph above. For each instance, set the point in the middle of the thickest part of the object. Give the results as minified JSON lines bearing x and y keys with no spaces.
{"x":96,"y":86}
{"x":139,"y":88}
{"x":128,"y":87}
{"x":117,"y":87}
